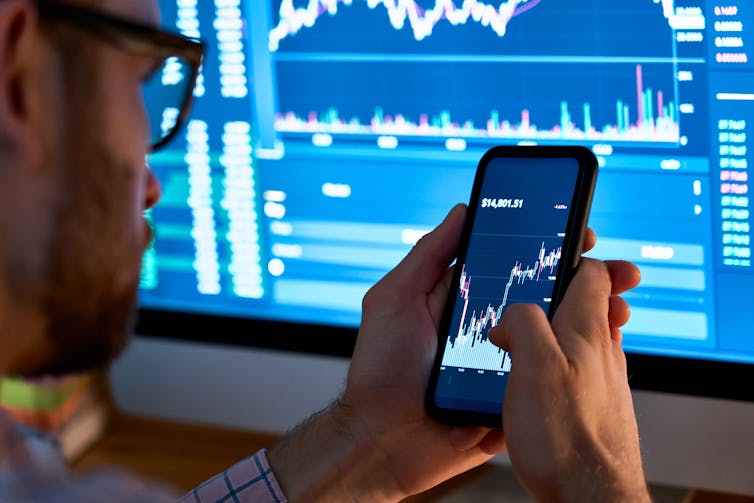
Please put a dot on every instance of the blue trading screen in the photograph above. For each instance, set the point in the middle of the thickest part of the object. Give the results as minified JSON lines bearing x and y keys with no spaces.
{"x":514,"y":253}
{"x":328,"y":136}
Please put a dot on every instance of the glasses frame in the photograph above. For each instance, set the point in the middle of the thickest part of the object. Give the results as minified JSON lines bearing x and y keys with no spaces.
{"x":137,"y":38}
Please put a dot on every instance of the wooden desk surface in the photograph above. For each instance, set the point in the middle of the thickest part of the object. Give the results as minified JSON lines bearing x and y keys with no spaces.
{"x":185,"y":455}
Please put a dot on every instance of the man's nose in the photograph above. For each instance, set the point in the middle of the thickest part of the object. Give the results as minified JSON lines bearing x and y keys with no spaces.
{"x":153,"y":191}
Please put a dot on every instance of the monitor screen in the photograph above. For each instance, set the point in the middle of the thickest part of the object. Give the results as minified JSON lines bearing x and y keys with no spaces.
{"x":328,"y":136}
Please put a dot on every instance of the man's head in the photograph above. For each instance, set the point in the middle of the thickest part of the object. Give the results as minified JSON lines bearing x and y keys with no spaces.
{"x":74,"y":134}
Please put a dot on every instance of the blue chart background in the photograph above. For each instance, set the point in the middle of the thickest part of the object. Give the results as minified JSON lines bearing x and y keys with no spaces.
{"x":315,"y":215}
{"x":583,"y":27}
{"x":356,"y":59}
{"x":499,"y":239}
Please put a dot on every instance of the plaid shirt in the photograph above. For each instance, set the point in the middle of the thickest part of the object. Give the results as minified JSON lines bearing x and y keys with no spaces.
{"x":248,"y":480}
{"x":31,"y":470}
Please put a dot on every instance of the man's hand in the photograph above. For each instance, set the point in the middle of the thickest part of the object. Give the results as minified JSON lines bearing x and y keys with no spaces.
{"x":394,"y":354}
{"x":568,"y":414}
{"x":377,"y":442}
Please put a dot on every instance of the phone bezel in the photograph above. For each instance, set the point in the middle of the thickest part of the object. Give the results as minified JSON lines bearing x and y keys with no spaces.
{"x":570,"y":255}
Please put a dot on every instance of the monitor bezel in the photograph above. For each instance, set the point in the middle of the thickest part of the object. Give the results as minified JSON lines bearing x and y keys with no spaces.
{"x":665,"y":374}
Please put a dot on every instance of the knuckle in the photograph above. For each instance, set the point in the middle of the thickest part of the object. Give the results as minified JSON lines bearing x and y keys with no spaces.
{"x":372,"y":298}
{"x":595,"y":267}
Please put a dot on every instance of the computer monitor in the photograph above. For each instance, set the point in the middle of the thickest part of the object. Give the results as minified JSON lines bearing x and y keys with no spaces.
{"x":328,"y":136}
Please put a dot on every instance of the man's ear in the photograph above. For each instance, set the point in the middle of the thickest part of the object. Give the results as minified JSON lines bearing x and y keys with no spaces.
{"x":20,"y":46}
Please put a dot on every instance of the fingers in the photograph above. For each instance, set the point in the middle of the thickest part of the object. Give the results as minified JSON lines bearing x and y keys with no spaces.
{"x":438,"y":296}
{"x":524,"y":327}
{"x":623,"y":275}
{"x":591,"y":310}
{"x":429,"y":258}
{"x":583,"y":311}
{"x":525,"y":331}
{"x":590,"y":239}
{"x":493,"y":443}
{"x":463,"y":439}
{"x":619,"y":312}
{"x":617,"y":336}
{"x":490,"y":442}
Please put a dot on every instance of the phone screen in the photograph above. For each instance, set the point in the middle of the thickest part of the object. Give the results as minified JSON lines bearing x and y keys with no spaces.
{"x":515,"y":247}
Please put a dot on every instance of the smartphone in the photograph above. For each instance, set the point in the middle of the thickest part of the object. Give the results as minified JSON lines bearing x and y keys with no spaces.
{"x":522,"y":240}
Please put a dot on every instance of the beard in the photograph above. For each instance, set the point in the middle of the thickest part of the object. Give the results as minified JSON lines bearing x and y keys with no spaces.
{"x":90,"y":316}
{"x":88,"y":294}
{"x":93,"y":270}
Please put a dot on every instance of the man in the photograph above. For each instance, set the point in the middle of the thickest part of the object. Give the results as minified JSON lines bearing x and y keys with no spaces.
{"x":74,"y":133}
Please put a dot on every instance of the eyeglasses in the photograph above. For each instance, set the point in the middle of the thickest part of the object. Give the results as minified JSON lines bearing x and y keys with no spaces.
{"x":168,"y":90}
